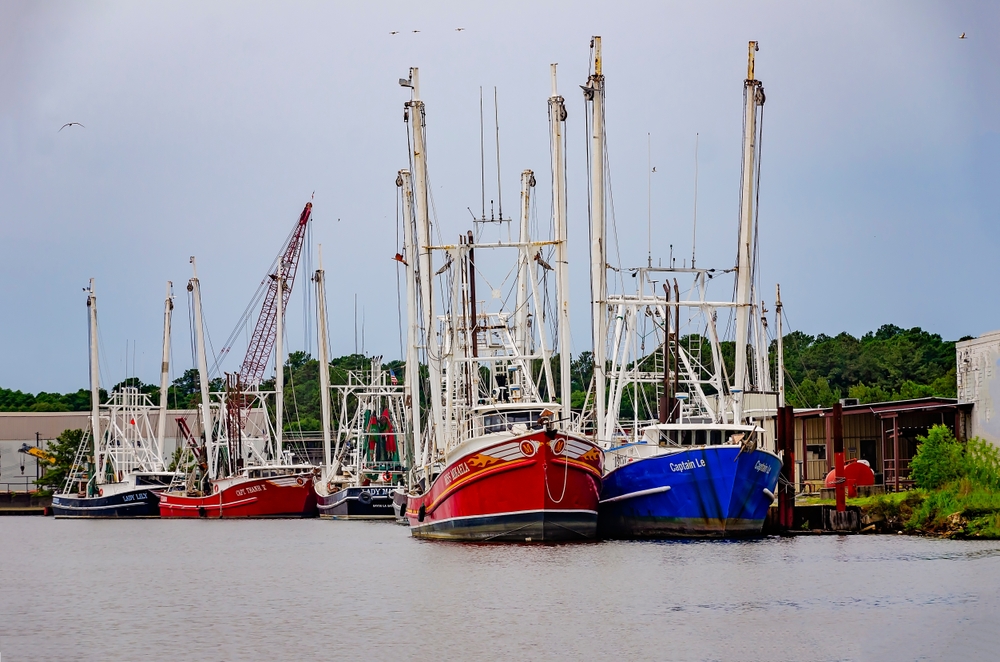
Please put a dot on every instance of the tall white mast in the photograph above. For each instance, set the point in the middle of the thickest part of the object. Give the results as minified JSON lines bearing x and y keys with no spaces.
{"x":426,"y":273}
{"x":412,"y":375}
{"x":194,"y":286}
{"x":279,"y":363}
{"x":594,"y":92}
{"x":161,"y":422}
{"x":95,"y":386}
{"x":521,"y":319}
{"x":324,"y":365}
{"x":557,"y":120}
{"x":744,"y":266}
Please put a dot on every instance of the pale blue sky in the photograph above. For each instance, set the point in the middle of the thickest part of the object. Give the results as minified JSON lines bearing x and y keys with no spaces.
{"x":208,"y":126}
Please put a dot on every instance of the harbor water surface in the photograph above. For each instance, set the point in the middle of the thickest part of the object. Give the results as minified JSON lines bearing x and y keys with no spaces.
{"x":312,"y":589}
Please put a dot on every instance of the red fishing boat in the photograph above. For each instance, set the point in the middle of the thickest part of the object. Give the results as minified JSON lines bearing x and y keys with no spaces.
{"x":241,"y":468}
{"x":513,"y":484}
{"x":264,"y":491}
{"x":498,"y":459}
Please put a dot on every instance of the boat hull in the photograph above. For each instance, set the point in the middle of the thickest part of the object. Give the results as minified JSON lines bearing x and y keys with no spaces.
{"x":137,"y":503}
{"x":371,"y":502}
{"x":284,"y":496}
{"x":702,"y":492}
{"x":537,"y":487}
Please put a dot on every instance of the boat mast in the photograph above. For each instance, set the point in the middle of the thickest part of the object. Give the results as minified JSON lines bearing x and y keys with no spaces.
{"x":780,"y":347}
{"x":557,"y":120}
{"x":95,"y":386}
{"x":412,"y":375}
{"x":279,"y":363}
{"x":594,"y":92}
{"x":161,"y":422}
{"x":754,"y":92}
{"x":521,"y":328}
{"x":194,"y":286}
{"x":324,"y":365}
{"x":416,"y":107}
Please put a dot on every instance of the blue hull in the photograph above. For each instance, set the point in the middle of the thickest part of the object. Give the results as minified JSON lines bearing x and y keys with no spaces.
{"x":142,"y":502}
{"x":374,"y":502}
{"x":702,"y":492}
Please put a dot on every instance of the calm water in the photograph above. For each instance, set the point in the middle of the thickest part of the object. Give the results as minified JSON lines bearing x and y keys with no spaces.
{"x":302,"y":590}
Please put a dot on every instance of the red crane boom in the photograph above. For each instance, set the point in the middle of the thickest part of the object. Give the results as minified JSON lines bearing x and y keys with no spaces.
{"x":264,"y":334}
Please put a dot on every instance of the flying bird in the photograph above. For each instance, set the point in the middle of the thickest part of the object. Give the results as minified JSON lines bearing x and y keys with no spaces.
{"x":459,"y":29}
{"x":961,"y":36}
{"x":654,"y":168}
{"x":70,"y":124}
{"x":394,"y":32}
{"x":416,"y":31}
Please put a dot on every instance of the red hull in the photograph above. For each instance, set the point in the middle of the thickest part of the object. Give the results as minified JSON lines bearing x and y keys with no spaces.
{"x":284,"y":496}
{"x":529,"y":488}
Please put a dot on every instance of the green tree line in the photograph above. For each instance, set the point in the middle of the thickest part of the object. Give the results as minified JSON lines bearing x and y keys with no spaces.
{"x":888,"y":364}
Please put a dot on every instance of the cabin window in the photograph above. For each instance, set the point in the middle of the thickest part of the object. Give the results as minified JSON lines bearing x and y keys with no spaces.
{"x":816,"y":452}
{"x":503,"y":422}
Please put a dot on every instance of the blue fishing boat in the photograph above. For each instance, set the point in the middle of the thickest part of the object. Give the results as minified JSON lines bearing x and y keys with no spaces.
{"x":703,"y":491}
{"x":688,"y":439}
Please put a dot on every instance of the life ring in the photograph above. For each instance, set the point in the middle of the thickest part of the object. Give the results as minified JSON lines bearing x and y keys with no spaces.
{"x":100,"y":491}
{"x":365,"y":497}
{"x":215,"y":488}
{"x":385,"y":477}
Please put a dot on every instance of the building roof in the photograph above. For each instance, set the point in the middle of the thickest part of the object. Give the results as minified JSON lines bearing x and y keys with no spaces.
{"x":890,"y":408}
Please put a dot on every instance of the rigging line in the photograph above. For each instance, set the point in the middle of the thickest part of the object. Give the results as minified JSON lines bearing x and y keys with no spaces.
{"x":191,"y":329}
{"x":399,"y":302}
{"x":611,"y":199}
{"x":756,"y":225}
{"x":258,"y":294}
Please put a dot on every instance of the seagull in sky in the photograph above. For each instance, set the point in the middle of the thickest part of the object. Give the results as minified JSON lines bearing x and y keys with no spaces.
{"x":394,"y":32}
{"x":70,"y":124}
{"x":459,"y":29}
{"x":961,"y":36}
{"x":416,"y":31}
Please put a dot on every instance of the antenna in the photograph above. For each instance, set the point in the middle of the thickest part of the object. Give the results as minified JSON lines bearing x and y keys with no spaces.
{"x":649,"y":200}
{"x":694,"y":229}
{"x":482,"y":150}
{"x":496,"y":122}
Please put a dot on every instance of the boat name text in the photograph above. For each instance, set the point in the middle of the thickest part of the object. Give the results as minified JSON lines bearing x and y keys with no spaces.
{"x":455,"y":472}
{"x":250,"y":490}
{"x":684,"y":465}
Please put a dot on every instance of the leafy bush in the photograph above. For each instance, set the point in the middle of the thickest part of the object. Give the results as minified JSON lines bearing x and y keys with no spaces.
{"x":64,"y":449}
{"x":982,"y":463}
{"x":964,"y":484}
{"x":939,"y":459}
